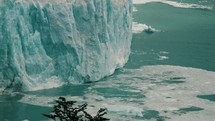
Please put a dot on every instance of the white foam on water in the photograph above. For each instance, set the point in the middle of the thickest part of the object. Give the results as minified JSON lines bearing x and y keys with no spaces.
{"x":171,"y":97}
{"x":45,"y":101}
{"x":174,"y":4}
{"x":51,"y":83}
{"x":164,"y":52}
{"x":137,"y":52}
{"x":158,"y":90}
{"x":125,"y":110}
{"x":186,"y":5}
{"x":135,"y":9}
{"x":25,"y":120}
{"x":139,"y":28}
{"x":162,"y":57}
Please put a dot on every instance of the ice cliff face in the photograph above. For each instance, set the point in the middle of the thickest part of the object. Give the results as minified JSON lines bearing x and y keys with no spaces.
{"x":48,"y":43}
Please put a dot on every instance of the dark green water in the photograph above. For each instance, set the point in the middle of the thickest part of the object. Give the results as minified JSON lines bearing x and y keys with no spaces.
{"x":188,"y":35}
{"x":170,"y":74}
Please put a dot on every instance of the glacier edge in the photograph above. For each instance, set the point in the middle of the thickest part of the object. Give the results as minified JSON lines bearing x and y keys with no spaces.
{"x":51,"y":44}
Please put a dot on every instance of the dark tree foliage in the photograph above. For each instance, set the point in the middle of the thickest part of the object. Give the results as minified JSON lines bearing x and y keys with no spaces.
{"x":66,"y":111}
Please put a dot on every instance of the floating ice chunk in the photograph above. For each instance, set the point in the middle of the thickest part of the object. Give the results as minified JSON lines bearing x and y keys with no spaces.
{"x":138,"y":28}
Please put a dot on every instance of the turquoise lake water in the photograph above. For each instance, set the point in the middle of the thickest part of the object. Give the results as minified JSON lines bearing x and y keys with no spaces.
{"x":170,"y":75}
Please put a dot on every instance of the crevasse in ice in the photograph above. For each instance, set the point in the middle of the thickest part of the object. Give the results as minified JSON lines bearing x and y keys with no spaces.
{"x":47,"y":43}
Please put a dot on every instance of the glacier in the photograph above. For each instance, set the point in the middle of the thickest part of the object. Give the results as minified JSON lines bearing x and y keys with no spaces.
{"x":49,"y":43}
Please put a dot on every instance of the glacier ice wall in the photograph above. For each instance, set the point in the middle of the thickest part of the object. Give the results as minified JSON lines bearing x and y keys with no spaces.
{"x":50,"y":43}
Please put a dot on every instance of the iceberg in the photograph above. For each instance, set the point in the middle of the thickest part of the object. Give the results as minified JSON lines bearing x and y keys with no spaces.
{"x":49,"y":43}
